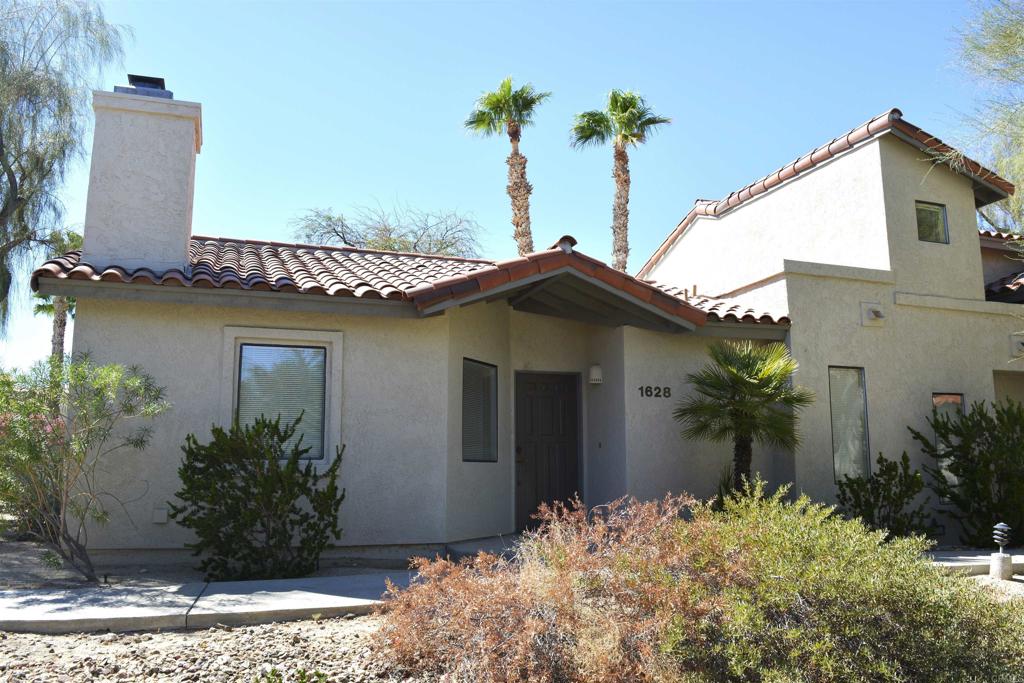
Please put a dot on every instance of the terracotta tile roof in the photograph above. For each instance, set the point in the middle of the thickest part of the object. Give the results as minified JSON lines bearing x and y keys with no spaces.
{"x":887,"y":122}
{"x":997,"y":235}
{"x":728,"y":310}
{"x":423,"y":280}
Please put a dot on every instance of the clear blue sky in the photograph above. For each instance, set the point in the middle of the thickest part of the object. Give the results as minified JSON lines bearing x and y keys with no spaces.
{"x":338,"y":105}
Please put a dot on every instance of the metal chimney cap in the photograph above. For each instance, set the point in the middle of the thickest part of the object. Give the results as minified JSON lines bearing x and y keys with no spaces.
{"x":154,"y":82}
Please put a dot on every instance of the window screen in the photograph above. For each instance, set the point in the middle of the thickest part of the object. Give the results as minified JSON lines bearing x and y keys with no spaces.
{"x":848,"y":401}
{"x":284,"y":381}
{"x":931,"y":223}
{"x":479,"y":411}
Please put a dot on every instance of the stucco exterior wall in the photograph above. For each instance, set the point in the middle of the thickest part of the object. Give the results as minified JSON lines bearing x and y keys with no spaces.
{"x":952,"y":269}
{"x":659,"y":459}
{"x":480,"y":494}
{"x":833,"y":214}
{"x":998,"y":263}
{"x":394,"y":415}
{"x":923,"y":346}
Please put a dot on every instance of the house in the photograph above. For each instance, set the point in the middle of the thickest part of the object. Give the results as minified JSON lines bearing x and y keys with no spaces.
{"x":467,"y":391}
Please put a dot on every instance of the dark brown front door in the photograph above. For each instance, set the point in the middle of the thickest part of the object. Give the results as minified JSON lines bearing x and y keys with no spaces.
{"x":547,"y":441}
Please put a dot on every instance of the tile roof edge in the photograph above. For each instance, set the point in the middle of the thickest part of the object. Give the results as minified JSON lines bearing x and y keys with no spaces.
{"x":869,"y":130}
{"x":328,"y":247}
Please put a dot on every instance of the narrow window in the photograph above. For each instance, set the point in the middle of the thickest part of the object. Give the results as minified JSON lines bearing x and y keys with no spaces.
{"x":479,"y":411}
{"x":285,"y":381}
{"x":949,"y":406}
{"x":848,"y":401}
{"x":931,"y":223}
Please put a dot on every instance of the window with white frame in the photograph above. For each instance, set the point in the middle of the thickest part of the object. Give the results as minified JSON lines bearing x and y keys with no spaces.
{"x":848,"y":402}
{"x":479,"y":411}
{"x":284,"y":373}
{"x":931,"y":223}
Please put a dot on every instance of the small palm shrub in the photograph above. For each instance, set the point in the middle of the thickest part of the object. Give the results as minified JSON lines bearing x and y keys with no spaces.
{"x":745,"y":395}
{"x":978,"y":466}
{"x":763,"y":590}
{"x":884,"y":499}
{"x":256,"y":510}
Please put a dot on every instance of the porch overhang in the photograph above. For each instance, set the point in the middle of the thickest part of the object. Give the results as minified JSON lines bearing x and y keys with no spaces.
{"x":566,"y":284}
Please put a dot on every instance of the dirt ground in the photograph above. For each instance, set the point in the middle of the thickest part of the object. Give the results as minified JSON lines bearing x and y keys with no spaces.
{"x":336,"y":647}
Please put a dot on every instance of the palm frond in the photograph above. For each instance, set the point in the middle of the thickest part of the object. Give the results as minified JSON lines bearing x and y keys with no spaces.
{"x":497,"y":109}
{"x":591,"y":128}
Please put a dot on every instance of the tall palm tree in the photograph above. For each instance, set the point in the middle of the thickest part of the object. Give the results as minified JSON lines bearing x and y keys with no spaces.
{"x":58,"y":307}
{"x":626,"y":122}
{"x":509,"y":111}
{"x":744,"y":395}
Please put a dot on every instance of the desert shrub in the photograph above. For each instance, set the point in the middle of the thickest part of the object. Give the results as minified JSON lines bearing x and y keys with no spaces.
{"x":62,"y":423}
{"x":885,"y":498}
{"x":978,"y":466}
{"x":764,"y":590}
{"x":299,"y":676}
{"x":257,"y":510}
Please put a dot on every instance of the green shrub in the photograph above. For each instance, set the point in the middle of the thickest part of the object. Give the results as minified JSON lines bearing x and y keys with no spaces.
{"x":256,"y":509}
{"x":764,"y":590}
{"x":883,"y":499}
{"x":978,"y":467}
{"x":300,"y":676}
{"x":61,"y":425}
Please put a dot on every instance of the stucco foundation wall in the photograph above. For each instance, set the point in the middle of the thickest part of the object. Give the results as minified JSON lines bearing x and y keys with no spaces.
{"x":659,"y":459}
{"x":917,"y":351}
{"x":480,"y":494}
{"x":953,"y":269}
{"x":394,"y":421}
{"x":833,"y":214}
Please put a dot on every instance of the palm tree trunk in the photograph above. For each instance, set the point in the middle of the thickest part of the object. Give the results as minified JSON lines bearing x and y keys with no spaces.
{"x":742,"y":456}
{"x":60,"y":325}
{"x":519,"y":190}
{"x":620,"y":210}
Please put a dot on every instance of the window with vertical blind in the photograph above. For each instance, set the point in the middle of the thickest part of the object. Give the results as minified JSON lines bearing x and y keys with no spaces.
{"x":479,"y":411}
{"x":280,"y":380}
{"x":848,"y":402}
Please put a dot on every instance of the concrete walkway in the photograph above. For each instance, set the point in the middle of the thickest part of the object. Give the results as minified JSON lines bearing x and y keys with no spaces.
{"x":972,"y":562}
{"x":191,"y":605}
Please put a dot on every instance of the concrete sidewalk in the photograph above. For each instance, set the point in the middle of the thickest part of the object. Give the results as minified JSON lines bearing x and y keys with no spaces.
{"x":971,"y":562}
{"x":191,"y":605}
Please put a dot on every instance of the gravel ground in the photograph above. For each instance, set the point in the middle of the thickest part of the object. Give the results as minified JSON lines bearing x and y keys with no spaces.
{"x":336,"y":647}
{"x":1004,"y":590}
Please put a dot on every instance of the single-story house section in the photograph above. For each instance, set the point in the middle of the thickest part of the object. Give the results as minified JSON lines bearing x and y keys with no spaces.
{"x":467,"y":391}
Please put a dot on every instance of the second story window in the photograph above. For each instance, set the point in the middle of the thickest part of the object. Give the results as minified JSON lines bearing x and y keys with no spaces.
{"x":931,"y":223}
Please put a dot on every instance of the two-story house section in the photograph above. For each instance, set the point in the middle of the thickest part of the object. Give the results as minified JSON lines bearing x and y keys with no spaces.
{"x":870,"y":246}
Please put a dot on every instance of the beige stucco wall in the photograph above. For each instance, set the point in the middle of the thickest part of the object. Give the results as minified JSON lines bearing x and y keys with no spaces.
{"x":660,"y":460}
{"x":393,"y":412}
{"x":920,"y":348}
{"x":997,"y":263}
{"x":833,"y":214}
{"x":141,"y":182}
{"x":952,"y":269}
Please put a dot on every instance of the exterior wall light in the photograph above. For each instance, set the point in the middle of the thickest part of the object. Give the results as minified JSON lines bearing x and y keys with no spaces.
{"x":595,"y":376}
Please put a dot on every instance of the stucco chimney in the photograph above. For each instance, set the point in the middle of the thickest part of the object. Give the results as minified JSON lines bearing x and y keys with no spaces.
{"x":139,"y":210}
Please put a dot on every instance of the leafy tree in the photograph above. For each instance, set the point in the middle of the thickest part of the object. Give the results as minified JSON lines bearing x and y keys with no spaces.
{"x":978,"y":466}
{"x":883,"y":498}
{"x":53,"y":463}
{"x":49,"y":52}
{"x":256,"y":510}
{"x":509,"y":111}
{"x":60,"y":308}
{"x":744,"y":395}
{"x":992,"y":50}
{"x":626,"y":121}
{"x":400,"y":228}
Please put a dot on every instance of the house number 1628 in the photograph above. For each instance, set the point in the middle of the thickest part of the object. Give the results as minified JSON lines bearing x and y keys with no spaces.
{"x":647,"y":391}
